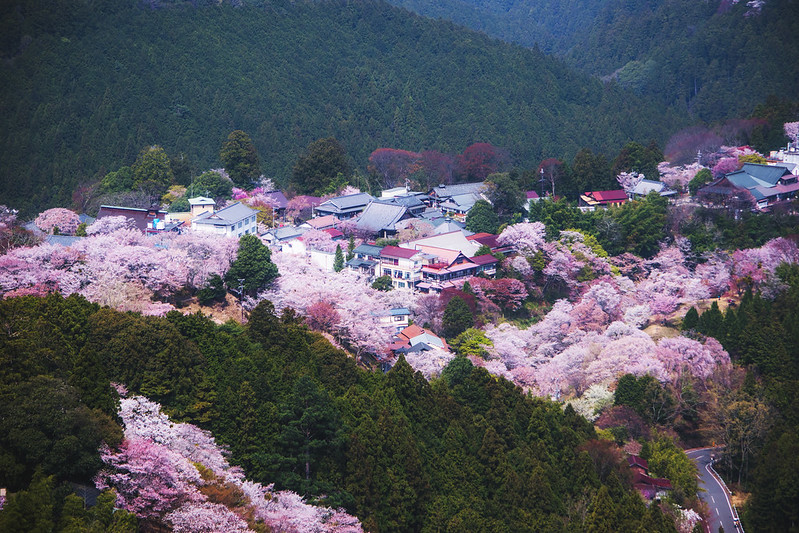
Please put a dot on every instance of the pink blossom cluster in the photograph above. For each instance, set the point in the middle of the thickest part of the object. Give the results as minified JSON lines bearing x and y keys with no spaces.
{"x":430,"y":363}
{"x":526,"y":238}
{"x":65,"y":220}
{"x":105,"y":225}
{"x":155,"y":477}
{"x":629,"y":180}
{"x":122,"y":269}
{"x":302,"y":284}
{"x":755,"y":267}
{"x":792,"y":131}
{"x":678,"y":176}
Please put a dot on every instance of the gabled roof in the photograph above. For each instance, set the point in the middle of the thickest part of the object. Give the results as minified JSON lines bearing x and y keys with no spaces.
{"x":634,"y":460}
{"x":371,"y":250}
{"x":462,"y":202}
{"x":334,"y":233}
{"x":201,"y":200}
{"x":381,"y":216}
{"x":608,"y":196}
{"x":286,"y":233}
{"x":447,"y":191}
{"x":454,"y":240}
{"x":346,"y":203}
{"x":485,"y":259}
{"x":645,"y":186}
{"x":532,"y":195}
{"x":397,"y":252}
{"x":327,"y":221}
{"x":227,"y":215}
{"x":448,"y":226}
{"x":486,"y":239}
{"x":411,"y":201}
{"x":769,"y":174}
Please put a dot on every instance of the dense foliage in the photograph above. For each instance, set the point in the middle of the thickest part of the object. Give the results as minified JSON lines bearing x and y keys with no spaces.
{"x":85,"y":86}
{"x":713,"y":59}
{"x":466,"y":449}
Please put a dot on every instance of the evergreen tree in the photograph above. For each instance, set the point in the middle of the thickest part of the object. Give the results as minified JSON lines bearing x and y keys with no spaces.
{"x":315,"y":169}
{"x":253,"y":264}
{"x":152,"y":165}
{"x":482,"y":218}
{"x":457,"y":318}
{"x":690,"y":320}
{"x":240,"y":158}
{"x":338,"y":261}
{"x":351,"y":248}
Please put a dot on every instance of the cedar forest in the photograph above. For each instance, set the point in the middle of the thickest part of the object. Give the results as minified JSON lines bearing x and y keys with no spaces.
{"x":144,"y":387}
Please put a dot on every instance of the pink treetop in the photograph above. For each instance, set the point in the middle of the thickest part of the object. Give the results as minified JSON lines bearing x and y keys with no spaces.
{"x":679,"y":354}
{"x":629,"y":180}
{"x":792,"y":131}
{"x":205,"y":517}
{"x":678,"y":176}
{"x":65,"y":220}
{"x":725,"y":166}
{"x":526,"y":237}
{"x":150,"y":479}
{"x":110,"y":224}
{"x":319,"y":240}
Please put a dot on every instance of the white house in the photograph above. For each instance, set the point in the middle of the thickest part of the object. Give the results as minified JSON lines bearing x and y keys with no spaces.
{"x":232,"y":221}
{"x":200,"y":205}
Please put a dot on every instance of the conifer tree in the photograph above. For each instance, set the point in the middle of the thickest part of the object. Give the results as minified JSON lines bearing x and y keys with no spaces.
{"x":338,"y":262}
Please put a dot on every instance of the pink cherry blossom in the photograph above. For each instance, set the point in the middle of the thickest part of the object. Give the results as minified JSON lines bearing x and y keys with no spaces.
{"x":65,"y":220}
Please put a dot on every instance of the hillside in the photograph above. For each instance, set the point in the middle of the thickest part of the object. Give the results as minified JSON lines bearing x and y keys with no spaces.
{"x":713,"y":59}
{"x":85,"y":86}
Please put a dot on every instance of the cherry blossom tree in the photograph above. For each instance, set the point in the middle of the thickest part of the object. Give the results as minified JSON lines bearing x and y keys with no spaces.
{"x":155,"y":477}
{"x":526,"y":237}
{"x":678,"y":177}
{"x":792,"y":131}
{"x":150,"y":480}
{"x":205,"y":517}
{"x":725,"y":166}
{"x":63,"y":220}
{"x":629,"y":180}
{"x":110,"y":224}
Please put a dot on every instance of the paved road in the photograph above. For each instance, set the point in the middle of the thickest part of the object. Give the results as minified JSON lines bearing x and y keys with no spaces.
{"x":715,"y":494}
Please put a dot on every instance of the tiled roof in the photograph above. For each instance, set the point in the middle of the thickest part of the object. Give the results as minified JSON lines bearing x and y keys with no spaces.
{"x":368,"y":249}
{"x":381,"y":216}
{"x":396,"y":251}
{"x":326,"y":221}
{"x":486,"y":259}
{"x":228,"y":215}
{"x":446,"y":191}
{"x":634,"y":460}
{"x":454,"y":240}
{"x":608,"y":196}
{"x":345,"y":203}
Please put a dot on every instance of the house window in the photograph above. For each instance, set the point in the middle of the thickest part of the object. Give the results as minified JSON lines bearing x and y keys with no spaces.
{"x":239,"y":226}
{"x":398,"y":318}
{"x":401,"y":284}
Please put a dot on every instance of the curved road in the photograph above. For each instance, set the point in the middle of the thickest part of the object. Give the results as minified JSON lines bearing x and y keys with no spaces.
{"x":715,"y":494}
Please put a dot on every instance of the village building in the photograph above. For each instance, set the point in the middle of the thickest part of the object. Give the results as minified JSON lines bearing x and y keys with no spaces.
{"x":344,"y":207}
{"x":234,"y":220}
{"x":590,"y":200}
{"x":756,"y":186}
{"x":149,"y":221}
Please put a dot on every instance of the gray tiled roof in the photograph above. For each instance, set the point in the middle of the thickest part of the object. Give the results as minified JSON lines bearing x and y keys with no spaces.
{"x":381,"y":216}
{"x":345,"y":203}
{"x":230,"y":214}
{"x":446,"y":191}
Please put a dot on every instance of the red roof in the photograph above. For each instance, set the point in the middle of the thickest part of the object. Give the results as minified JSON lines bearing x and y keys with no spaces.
{"x":608,"y":196}
{"x":485,"y":259}
{"x":657,"y":482}
{"x":333,"y":232}
{"x":532,"y":195}
{"x":396,"y":251}
{"x":634,"y":460}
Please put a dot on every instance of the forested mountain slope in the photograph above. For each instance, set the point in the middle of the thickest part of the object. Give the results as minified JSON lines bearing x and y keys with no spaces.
{"x":84,"y":86}
{"x":716,"y":59}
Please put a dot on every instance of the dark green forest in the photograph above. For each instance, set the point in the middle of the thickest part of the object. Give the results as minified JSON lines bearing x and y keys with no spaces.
{"x":713,"y":60}
{"x":84,"y":86}
{"x":466,"y":452}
